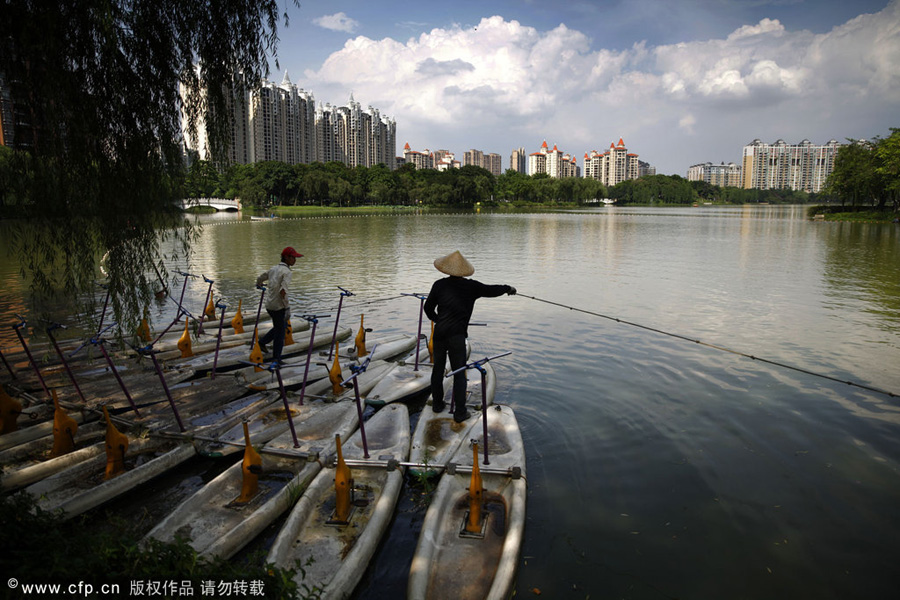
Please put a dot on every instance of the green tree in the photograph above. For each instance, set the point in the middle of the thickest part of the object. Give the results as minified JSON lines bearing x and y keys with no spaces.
{"x":887,"y":153}
{"x":101,"y":82}
{"x":854,"y":177}
{"x":202,"y":180}
{"x":315,"y":186}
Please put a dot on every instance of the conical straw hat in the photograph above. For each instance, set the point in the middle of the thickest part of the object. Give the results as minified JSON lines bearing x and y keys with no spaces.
{"x":454,"y":264}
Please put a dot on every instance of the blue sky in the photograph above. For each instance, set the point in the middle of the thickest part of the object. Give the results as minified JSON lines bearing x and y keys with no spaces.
{"x":681,"y":81}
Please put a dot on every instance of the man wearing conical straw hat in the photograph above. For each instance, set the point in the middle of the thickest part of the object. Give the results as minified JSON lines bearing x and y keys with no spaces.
{"x":449,"y":305}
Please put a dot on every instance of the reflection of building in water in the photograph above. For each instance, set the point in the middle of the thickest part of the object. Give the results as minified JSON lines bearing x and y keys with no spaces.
{"x":803,"y":167}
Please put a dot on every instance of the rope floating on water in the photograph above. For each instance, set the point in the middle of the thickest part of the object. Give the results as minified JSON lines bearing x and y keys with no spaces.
{"x":716,"y":347}
{"x":355,"y":304}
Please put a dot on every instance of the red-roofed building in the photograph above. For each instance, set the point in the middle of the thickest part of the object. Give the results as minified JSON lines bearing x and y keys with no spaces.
{"x":421,"y":160}
{"x":552,"y":162}
{"x":613,"y":166}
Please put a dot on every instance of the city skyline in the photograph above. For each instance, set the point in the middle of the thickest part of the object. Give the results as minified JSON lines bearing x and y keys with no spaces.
{"x":685,"y":83}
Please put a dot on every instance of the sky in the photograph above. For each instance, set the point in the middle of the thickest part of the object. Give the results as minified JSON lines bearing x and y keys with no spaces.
{"x":681,"y":82}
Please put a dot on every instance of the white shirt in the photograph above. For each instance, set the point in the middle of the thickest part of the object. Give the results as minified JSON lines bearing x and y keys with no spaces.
{"x":279,"y":278}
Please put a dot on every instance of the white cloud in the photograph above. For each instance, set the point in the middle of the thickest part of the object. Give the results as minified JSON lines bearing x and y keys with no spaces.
{"x":501,"y":84}
{"x":337,"y":22}
{"x":766,"y":26}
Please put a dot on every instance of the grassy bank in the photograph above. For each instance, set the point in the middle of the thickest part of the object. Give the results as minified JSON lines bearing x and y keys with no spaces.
{"x":309,"y":210}
{"x":851,"y":214}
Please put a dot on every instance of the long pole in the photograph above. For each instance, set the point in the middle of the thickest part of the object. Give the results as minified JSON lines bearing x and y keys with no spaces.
{"x":181,"y":310}
{"x":312,"y":336}
{"x":103,"y":314}
{"x":421,"y":298}
{"x":357,"y":371}
{"x":165,"y":386}
{"x":717,"y":347}
{"x":203,"y":310}
{"x":6,"y":364}
{"x":34,"y":366}
{"x":258,"y":312}
{"x":287,"y":409}
{"x":478,"y":365}
{"x":99,"y":342}
{"x":484,"y":411}
{"x":63,"y":359}
{"x":337,"y":320}
{"x":165,"y":288}
{"x":218,"y":339}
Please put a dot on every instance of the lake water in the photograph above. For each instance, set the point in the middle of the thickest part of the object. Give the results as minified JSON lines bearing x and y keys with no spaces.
{"x":657,"y":467}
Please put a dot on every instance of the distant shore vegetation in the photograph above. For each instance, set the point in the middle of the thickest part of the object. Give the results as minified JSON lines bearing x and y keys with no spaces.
{"x":866,"y":176}
{"x":267,"y":185}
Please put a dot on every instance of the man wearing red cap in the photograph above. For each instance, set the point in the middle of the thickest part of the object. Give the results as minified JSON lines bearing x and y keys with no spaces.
{"x":277,"y":303}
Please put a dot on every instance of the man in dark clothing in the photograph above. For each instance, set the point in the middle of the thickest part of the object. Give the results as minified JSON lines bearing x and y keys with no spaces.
{"x":449,"y":305}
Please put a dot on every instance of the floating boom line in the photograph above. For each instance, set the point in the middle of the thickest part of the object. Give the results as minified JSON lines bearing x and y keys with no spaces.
{"x":717,"y":347}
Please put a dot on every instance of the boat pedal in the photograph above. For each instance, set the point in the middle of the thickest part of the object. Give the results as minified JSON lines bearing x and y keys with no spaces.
{"x":359,"y":498}
{"x":333,"y":522}
{"x":477,"y":535}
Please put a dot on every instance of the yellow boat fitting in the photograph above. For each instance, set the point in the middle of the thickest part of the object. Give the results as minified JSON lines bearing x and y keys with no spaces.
{"x":476,"y":495}
{"x":288,"y":333}
{"x":361,"y":339}
{"x":256,"y":355}
{"x":343,"y":483}
{"x":10,"y":409}
{"x":116,"y":447}
{"x":64,"y":429}
{"x":430,"y":345}
{"x":237,"y":322}
{"x":334,"y":374}
{"x":251,"y":467}
{"x":143,"y":330}
{"x":184,"y":342}
{"x":210,"y":308}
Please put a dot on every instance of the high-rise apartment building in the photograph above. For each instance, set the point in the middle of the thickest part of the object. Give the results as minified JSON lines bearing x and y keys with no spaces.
{"x":491,"y":161}
{"x":552,"y":162}
{"x":721,"y":175}
{"x":518,"y":161}
{"x":645,"y":169}
{"x":613,"y":166}
{"x":804,"y":166}
{"x":283,"y":123}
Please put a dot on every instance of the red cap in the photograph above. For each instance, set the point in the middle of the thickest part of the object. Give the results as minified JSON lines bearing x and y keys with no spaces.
{"x":290,"y":252}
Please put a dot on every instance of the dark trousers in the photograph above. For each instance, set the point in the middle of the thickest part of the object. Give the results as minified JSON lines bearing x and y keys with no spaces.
{"x":275,"y":336}
{"x":455,"y":348}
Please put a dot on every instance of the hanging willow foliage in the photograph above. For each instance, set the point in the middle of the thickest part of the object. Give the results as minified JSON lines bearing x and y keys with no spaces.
{"x":98,"y":87}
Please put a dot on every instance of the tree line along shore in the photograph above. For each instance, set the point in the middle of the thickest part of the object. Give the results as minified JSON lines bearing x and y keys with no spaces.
{"x":275,"y":184}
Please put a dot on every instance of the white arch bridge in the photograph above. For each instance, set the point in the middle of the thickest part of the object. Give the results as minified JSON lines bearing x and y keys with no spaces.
{"x":216,"y":203}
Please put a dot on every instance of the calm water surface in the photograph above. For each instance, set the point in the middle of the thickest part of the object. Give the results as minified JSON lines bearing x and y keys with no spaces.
{"x":657,"y":467}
